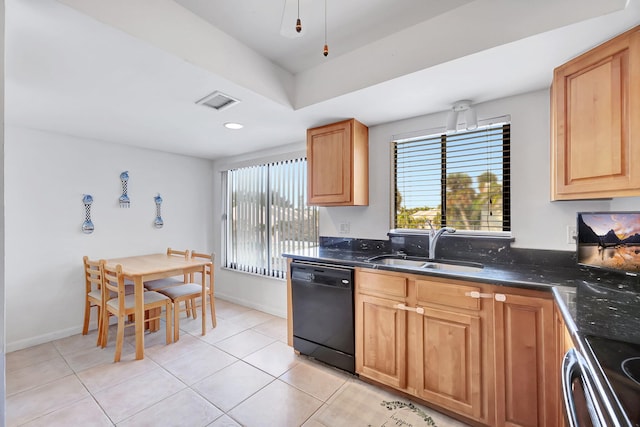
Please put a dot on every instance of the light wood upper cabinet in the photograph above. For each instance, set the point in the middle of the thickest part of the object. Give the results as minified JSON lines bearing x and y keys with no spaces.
{"x":526,"y":360}
{"x":595,"y":136}
{"x":338,"y":164}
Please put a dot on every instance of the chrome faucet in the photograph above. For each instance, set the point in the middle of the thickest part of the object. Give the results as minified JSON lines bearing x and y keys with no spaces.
{"x":433,"y":237}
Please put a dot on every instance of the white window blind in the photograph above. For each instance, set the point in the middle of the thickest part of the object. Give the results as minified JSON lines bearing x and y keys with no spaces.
{"x":460,"y":180}
{"x":267,"y":215}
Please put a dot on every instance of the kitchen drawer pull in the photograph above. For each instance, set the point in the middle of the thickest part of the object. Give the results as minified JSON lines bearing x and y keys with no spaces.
{"x":501,"y":297}
{"x":476,"y":294}
{"x":418,"y":310}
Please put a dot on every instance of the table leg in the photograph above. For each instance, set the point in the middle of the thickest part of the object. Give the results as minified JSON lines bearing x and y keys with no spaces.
{"x":139,"y":315}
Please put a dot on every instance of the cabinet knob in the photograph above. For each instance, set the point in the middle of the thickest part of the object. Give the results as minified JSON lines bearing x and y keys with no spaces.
{"x":501,"y":297}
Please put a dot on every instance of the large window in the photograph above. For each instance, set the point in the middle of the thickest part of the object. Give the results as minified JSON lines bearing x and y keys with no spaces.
{"x":267,"y":215}
{"x":460,"y":180}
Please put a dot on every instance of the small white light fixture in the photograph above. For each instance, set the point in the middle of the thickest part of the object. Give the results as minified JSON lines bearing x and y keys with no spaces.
{"x":234,"y":126}
{"x":471,"y":120}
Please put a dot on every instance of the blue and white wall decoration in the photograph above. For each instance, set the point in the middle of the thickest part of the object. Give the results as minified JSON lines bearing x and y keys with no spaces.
{"x":87,"y":225}
{"x":158,"y":222}
{"x":124,"y":198}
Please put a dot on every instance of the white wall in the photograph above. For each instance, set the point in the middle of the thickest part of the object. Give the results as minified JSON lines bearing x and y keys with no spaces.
{"x":46,"y":176}
{"x":537,"y":222}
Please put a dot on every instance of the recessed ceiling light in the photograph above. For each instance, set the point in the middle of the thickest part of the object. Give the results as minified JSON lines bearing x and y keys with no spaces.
{"x":231,"y":125}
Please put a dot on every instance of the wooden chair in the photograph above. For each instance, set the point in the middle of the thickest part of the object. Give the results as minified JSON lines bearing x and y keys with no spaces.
{"x":123,"y":306}
{"x":93,"y":288}
{"x":156,"y":285}
{"x":190,"y":292}
{"x":93,"y":298}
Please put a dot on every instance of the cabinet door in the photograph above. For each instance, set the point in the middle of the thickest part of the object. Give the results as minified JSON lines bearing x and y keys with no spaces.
{"x":381,"y":340}
{"x":564,"y":343}
{"x":525,"y":362}
{"x":595,"y":131}
{"x":329,"y":152}
{"x":449,"y":360}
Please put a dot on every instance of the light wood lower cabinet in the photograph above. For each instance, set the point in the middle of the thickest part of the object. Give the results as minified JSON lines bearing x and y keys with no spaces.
{"x":564,"y":343}
{"x":485,"y":352}
{"x":449,"y":357}
{"x":381,"y":328}
{"x":451,"y":361}
{"x":526,"y":387}
{"x":382,"y":343}
{"x":432,"y":336}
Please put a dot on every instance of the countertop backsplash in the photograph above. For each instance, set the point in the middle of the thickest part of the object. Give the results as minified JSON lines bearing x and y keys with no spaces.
{"x":482,"y":249}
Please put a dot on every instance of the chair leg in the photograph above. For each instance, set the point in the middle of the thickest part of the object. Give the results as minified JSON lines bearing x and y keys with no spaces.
{"x":194,"y":308}
{"x":87,"y":311}
{"x":188,"y":307}
{"x":99,"y":340}
{"x":176,"y":321}
{"x":119,"y":338}
{"x":213,"y":311}
{"x":168,"y":322}
{"x":105,"y":328}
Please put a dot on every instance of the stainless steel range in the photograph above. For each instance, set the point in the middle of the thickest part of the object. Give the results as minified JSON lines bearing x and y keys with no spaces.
{"x":601,"y":377}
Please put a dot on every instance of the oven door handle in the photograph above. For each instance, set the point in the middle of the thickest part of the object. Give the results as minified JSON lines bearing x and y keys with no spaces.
{"x":575,"y":367}
{"x":570,"y":368}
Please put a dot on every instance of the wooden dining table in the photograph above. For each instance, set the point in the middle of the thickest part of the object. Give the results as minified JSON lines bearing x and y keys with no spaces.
{"x":141,"y":268}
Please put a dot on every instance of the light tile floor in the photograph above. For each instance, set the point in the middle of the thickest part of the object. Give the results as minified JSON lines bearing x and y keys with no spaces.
{"x":240,"y":373}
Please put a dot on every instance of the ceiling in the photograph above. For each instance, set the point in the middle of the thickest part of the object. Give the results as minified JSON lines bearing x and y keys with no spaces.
{"x":130,"y":71}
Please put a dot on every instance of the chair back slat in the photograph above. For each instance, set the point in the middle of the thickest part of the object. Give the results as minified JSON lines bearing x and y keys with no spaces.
{"x":208,"y":269}
{"x":174,"y":252}
{"x":113,"y":284}
{"x":92,"y":274}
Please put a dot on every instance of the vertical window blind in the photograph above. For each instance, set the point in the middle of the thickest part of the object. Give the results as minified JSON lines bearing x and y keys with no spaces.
{"x":266,"y":215}
{"x":460,"y":180}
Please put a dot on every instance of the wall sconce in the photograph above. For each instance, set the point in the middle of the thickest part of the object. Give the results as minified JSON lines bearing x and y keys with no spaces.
{"x":470,"y":118}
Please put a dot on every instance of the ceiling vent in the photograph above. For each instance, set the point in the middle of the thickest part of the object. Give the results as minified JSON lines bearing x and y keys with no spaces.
{"x":218,"y":101}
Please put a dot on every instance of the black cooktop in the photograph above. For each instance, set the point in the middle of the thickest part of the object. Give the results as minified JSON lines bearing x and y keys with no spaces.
{"x":620,"y":363}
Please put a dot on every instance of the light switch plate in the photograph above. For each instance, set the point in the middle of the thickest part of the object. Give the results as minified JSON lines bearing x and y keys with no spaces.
{"x":572,"y":235}
{"x":345,"y":228}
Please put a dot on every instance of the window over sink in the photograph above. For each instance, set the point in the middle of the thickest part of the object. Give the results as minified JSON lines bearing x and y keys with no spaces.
{"x":459,"y":180}
{"x":265,"y":215}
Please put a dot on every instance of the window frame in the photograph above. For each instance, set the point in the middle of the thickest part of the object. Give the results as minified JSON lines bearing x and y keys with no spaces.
{"x":432,"y":134}
{"x":228,"y":261}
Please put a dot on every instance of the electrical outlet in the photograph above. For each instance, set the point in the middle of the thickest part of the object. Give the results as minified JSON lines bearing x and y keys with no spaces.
{"x":345,"y":227}
{"x":572,"y":235}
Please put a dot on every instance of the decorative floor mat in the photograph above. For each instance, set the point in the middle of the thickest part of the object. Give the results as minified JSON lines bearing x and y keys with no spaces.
{"x":360,"y":404}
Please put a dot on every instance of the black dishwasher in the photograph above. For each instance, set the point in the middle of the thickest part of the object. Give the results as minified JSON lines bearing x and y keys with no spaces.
{"x":322,"y":305}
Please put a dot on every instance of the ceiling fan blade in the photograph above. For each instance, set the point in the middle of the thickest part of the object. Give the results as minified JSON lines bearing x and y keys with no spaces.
{"x":288,"y":22}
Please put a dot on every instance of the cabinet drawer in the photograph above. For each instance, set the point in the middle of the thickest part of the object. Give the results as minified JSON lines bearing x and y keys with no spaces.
{"x":447,"y":294}
{"x":381,"y":284}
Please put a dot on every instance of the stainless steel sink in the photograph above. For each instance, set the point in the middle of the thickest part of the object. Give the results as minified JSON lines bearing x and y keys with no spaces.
{"x":454,"y":266}
{"x":401,"y":261}
{"x":425,"y":263}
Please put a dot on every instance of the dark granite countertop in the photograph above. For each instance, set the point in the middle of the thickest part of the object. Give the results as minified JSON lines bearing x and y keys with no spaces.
{"x":540,"y":277}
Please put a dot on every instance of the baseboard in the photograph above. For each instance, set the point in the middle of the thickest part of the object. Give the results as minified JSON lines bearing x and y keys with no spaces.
{"x":52,"y":336}
{"x":251,"y":304}
{"x":45,"y":338}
